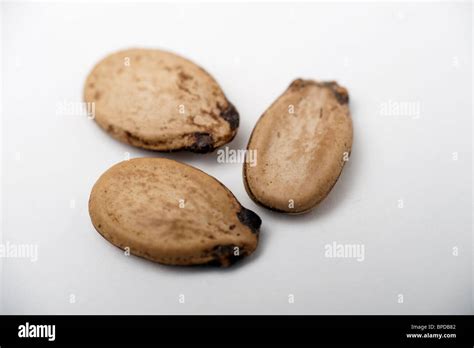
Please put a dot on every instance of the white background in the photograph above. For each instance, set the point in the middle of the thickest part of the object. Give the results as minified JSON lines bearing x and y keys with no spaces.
{"x":380,"y":52}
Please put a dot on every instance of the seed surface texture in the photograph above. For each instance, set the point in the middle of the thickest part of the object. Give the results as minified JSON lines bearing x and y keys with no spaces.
{"x":302,"y":142}
{"x":172,"y":213}
{"x":160,"y":101}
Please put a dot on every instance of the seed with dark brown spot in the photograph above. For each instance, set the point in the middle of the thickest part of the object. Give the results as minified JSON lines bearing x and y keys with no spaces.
{"x":227,"y":255}
{"x":231,"y":116}
{"x":202,"y":143}
{"x":161,"y":94}
{"x":147,"y":217}
{"x":250,"y":219}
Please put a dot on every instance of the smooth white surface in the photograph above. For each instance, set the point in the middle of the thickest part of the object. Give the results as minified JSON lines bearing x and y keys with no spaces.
{"x":380,"y":52}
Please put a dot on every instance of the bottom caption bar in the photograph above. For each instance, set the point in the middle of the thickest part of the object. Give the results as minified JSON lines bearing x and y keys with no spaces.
{"x":291,"y":331}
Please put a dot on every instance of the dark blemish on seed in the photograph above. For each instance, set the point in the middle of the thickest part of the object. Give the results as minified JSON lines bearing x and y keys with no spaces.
{"x":339,"y":92}
{"x":298,"y":83}
{"x":185,"y":89}
{"x":203,"y":143}
{"x":182,"y":84}
{"x":231,"y":116}
{"x":97,"y":95}
{"x":134,"y":139}
{"x":130,"y":136}
{"x":91,"y":85}
{"x":341,"y":95}
{"x":183,"y":76}
{"x":250,"y":219}
{"x":231,"y":227}
{"x":321,"y":113}
{"x":224,"y":255}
